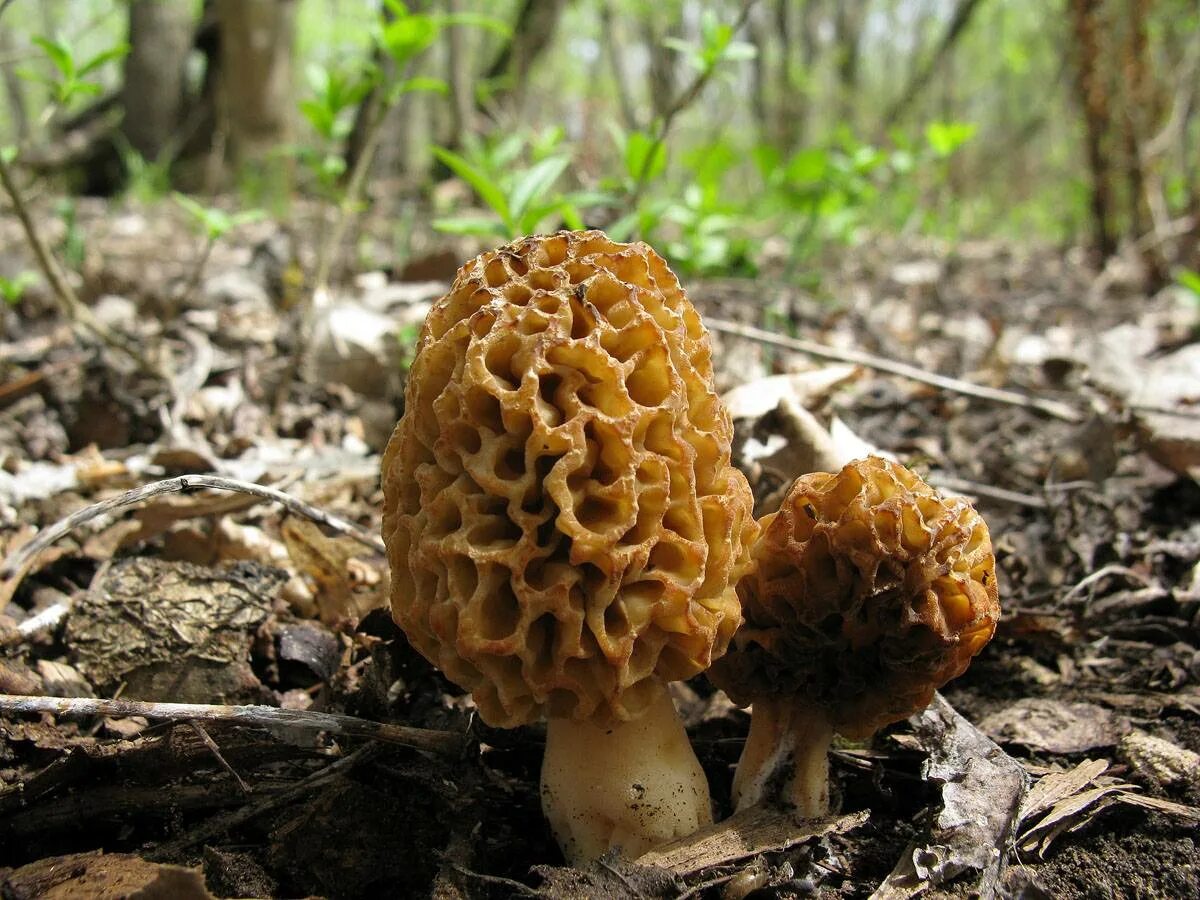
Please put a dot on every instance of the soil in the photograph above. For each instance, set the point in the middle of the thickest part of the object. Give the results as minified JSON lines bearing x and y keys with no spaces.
{"x":1097,"y":542}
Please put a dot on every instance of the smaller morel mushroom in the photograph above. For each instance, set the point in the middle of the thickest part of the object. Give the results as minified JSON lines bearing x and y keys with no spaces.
{"x":564,"y":527}
{"x":870,"y":592}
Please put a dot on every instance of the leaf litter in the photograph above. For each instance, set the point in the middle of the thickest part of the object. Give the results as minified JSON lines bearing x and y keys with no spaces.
{"x":1091,"y":690}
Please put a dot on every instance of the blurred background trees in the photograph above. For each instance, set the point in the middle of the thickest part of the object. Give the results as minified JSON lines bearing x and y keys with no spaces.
{"x":715,"y":128}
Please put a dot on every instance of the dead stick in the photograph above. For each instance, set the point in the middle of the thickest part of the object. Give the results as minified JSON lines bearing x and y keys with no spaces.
{"x":1054,"y":408}
{"x":49,"y":535}
{"x":444,"y":743}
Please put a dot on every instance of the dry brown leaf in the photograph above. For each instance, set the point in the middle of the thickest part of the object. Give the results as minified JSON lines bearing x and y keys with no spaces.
{"x":100,"y":875}
{"x":334,"y":565}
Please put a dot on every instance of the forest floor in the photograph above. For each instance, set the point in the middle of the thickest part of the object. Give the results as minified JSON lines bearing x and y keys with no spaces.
{"x":1092,"y":684}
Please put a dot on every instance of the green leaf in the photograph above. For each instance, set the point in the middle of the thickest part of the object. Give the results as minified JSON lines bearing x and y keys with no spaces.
{"x":489,"y":192}
{"x":414,"y":85}
{"x":477,"y":20}
{"x":13,"y":289}
{"x":406,"y":37}
{"x":738,"y":51}
{"x":638,"y":162}
{"x":104,"y":56}
{"x":808,"y":167}
{"x":1190,"y":280}
{"x":534,"y":182}
{"x":471,"y":225}
{"x":59,"y":54}
{"x":946,"y":137}
{"x":571,"y":216}
{"x":319,"y":116}
{"x":8,"y":153}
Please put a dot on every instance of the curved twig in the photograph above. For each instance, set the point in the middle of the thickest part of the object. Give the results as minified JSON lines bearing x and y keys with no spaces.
{"x":47,"y":536}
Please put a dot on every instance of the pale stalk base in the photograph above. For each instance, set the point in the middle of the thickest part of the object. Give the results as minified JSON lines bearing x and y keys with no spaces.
{"x":632,"y":786}
{"x":785,"y":759}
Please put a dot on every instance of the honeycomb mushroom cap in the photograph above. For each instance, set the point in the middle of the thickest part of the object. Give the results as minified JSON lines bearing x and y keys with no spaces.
{"x":563,"y":524}
{"x":870,"y":591}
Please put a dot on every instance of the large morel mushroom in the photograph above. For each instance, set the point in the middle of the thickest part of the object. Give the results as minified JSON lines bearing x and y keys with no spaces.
{"x":564,"y":527}
{"x":870,"y":591}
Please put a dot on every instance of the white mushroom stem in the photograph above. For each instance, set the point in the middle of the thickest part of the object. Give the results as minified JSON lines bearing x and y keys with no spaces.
{"x":632,"y":786}
{"x":786,"y":758}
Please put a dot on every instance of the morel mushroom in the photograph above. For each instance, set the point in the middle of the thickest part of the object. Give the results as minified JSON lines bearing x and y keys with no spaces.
{"x":564,"y":527}
{"x":870,"y":592}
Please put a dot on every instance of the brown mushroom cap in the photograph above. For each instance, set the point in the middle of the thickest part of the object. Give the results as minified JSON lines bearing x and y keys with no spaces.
{"x":870,"y":592}
{"x":563,"y":524}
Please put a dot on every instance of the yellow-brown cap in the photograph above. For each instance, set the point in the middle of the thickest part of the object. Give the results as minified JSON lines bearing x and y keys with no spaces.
{"x":870,"y":591}
{"x":563,"y":524}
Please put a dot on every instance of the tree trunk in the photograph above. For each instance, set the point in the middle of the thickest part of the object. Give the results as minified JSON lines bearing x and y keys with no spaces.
{"x":14,"y":88}
{"x":614,"y":47}
{"x":1143,"y":114}
{"x":532,"y":33}
{"x":922,"y":75}
{"x":460,"y":77}
{"x":1093,"y":99}
{"x":160,"y":37}
{"x":257,"y":91}
{"x":662,"y":67}
{"x":848,"y":25}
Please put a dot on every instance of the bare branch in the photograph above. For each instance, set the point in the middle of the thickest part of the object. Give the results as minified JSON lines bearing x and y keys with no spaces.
{"x":442,"y":743}
{"x":1053,"y":408}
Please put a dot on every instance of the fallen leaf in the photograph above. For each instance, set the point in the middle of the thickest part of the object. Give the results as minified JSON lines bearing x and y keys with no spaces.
{"x":1055,"y":726}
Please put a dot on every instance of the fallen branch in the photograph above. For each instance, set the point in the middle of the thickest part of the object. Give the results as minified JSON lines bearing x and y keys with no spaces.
{"x":1053,"y":408}
{"x":443,"y":743}
{"x":21,"y":557}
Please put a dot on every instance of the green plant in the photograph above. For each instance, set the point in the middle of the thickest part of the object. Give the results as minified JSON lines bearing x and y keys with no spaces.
{"x":70,"y":81}
{"x":520,"y":196}
{"x":1189,"y":280}
{"x":406,"y":337}
{"x":13,"y":289}
{"x":213,"y":224}
{"x":401,"y":37}
{"x":73,"y":246}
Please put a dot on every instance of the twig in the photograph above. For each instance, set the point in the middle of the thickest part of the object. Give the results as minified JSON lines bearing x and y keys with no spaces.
{"x":443,"y":743}
{"x":517,"y":887}
{"x":49,"y":535}
{"x":1052,"y":408}
{"x":68,"y":300}
{"x":985,"y":490}
{"x":685,"y":99}
{"x":220,"y":824}
{"x":206,"y":739}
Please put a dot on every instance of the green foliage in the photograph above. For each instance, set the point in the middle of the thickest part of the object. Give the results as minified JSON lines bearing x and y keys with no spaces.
{"x":1190,"y":281}
{"x":147,"y":180}
{"x":13,"y":289}
{"x":215,"y":223}
{"x":70,"y":80}
{"x":336,"y":94}
{"x":521,"y":196}
{"x":716,"y":45}
{"x":406,"y":337}
{"x":74,"y":246}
